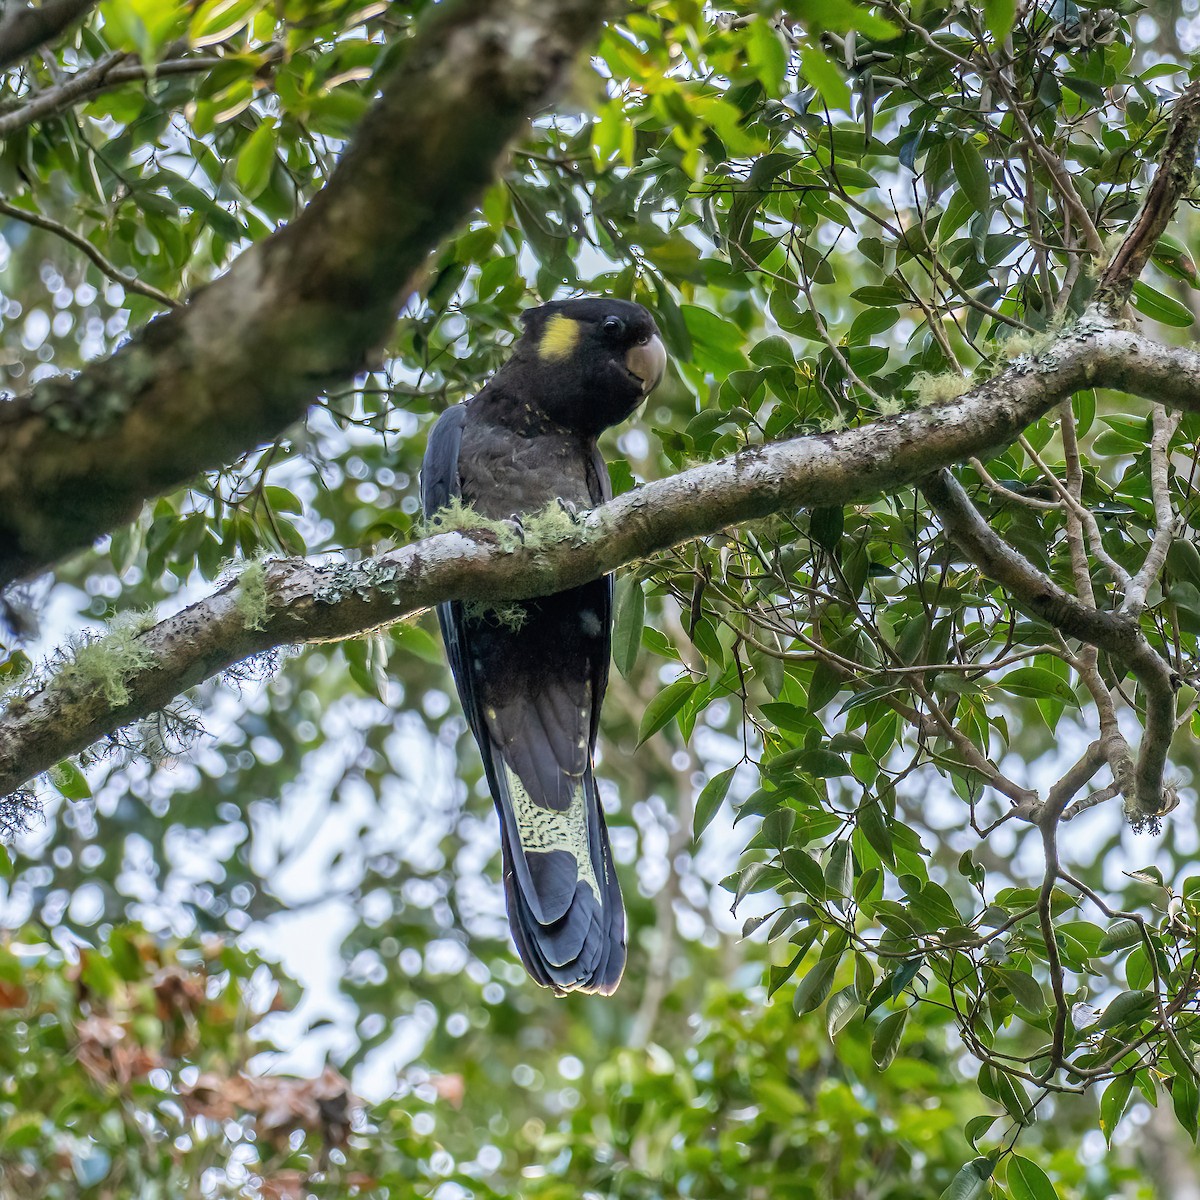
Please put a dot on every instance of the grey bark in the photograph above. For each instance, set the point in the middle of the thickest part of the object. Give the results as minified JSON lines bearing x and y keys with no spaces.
{"x":309,"y":603}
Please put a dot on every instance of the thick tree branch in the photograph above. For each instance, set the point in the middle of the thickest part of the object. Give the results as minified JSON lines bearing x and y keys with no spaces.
{"x":24,"y":29}
{"x":1176,"y":169}
{"x":1120,"y":636}
{"x":303,"y":309}
{"x":306,"y":603}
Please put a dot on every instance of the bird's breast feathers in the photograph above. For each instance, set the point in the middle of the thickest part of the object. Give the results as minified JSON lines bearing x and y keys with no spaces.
{"x":502,"y":472}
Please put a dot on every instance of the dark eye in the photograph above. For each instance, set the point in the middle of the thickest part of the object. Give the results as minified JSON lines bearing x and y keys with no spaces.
{"x":613,"y":325}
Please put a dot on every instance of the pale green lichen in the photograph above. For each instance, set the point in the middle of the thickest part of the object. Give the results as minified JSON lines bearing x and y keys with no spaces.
{"x":251,"y":598}
{"x":510,"y":616}
{"x":107,"y":664}
{"x":544,"y":529}
{"x":1095,"y":266}
{"x":1019,"y":342}
{"x":940,"y":389}
{"x":462,"y":518}
{"x":890,"y":406}
{"x":551,"y":525}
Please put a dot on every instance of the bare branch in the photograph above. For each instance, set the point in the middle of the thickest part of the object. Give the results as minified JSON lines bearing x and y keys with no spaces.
{"x":1165,"y":425}
{"x":24,"y":29}
{"x":111,"y":71}
{"x":83,"y":83}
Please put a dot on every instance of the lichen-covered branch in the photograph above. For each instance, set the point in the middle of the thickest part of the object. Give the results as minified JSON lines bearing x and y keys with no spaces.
{"x":292,"y":601}
{"x":1176,"y":170}
{"x":298,"y":312}
{"x":1119,"y":636}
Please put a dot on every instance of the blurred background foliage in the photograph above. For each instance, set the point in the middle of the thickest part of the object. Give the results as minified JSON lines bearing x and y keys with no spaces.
{"x":256,"y":947}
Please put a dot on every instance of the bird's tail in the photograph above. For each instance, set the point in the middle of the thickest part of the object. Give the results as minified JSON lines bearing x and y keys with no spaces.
{"x":564,"y":902}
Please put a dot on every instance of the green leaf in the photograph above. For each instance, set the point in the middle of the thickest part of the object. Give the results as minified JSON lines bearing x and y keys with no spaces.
{"x":843,"y":1006}
{"x":976,"y":1127}
{"x":716,"y":343}
{"x":1026,"y":990}
{"x":1152,"y":303}
{"x":628,"y":620}
{"x":282,"y":500}
{"x":664,"y":706}
{"x":255,"y":159}
{"x":1185,"y":1100}
{"x":773,"y":352}
{"x":822,"y":763}
{"x":971,"y":1181}
{"x":1113,"y":1104}
{"x":412,"y":639}
{"x":1120,"y":935}
{"x":880,"y":295}
{"x":886,"y":1041}
{"x":1126,"y":1008}
{"x":69,"y":780}
{"x":819,"y":70}
{"x":767,"y":53}
{"x":808,"y":875}
{"x":815,"y":986}
{"x":710,"y":800}
{"x":1027,"y":1181}
{"x":839,"y":871}
{"x":971,"y":174}
{"x":1037,"y":683}
{"x":999,"y":16}
{"x":1084,"y":405}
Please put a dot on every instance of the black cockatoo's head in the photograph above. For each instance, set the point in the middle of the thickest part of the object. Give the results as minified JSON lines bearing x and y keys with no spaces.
{"x":588,"y":364}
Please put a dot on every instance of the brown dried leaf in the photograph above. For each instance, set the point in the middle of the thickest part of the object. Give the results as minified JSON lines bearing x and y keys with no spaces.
{"x":178,"y":992}
{"x":450,"y":1088}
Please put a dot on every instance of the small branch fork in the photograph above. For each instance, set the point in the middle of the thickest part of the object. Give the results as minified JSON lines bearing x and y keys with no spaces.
{"x":1077,"y":616}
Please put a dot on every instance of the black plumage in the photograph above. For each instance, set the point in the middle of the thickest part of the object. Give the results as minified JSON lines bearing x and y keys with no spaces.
{"x":532,"y":686}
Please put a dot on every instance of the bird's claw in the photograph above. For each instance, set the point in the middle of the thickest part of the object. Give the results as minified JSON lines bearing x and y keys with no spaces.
{"x":518,"y":529}
{"x":570,"y":509}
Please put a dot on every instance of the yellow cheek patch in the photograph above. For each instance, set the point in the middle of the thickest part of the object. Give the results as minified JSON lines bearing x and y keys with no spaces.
{"x":559,"y":338}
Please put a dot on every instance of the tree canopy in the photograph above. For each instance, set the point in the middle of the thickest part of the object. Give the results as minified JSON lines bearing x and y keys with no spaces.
{"x":899,"y":751}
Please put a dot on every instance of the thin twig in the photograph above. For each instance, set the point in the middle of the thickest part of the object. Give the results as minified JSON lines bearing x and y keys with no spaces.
{"x":65,"y":94}
{"x":109,"y":268}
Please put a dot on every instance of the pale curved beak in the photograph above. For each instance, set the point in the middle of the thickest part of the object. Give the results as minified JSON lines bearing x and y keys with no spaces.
{"x":647,"y":361}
